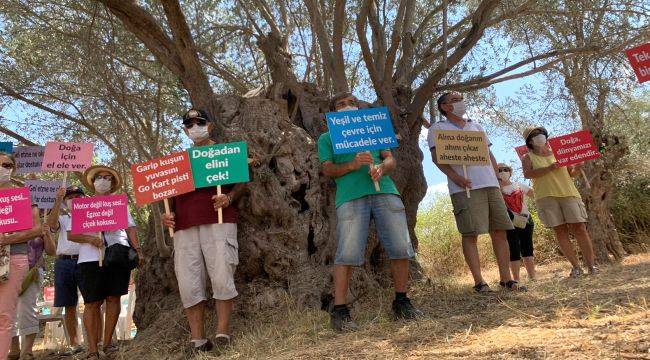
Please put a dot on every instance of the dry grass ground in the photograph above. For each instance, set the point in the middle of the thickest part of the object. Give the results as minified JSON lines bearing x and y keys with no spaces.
{"x":602,"y":317}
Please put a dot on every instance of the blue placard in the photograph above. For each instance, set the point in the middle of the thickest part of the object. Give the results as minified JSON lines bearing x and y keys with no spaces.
{"x":361,"y":130}
{"x":6,"y":146}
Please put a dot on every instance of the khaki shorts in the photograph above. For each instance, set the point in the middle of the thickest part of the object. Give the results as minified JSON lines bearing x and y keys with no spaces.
{"x":555,"y":211}
{"x":202,"y":251}
{"x":483,"y":212}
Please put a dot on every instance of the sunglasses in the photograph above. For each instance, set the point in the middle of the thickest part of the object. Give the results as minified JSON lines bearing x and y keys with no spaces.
{"x":105,"y":177}
{"x":8,"y":165}
{"x":504,"y":170}
{"x":190,"y":123}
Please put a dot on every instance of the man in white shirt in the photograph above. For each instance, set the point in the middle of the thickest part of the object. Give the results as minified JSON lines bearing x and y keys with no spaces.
{"x":67,"y":278}
{"x":484,"y":211}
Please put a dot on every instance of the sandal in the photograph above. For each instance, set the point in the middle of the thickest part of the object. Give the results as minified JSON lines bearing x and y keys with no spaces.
{"x":513,"y":286}
{"x":482,"y":288}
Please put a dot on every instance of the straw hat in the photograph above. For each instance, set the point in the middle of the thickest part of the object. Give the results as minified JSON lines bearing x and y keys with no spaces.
{"x":530,"y":129}
{"x":89,"y":176}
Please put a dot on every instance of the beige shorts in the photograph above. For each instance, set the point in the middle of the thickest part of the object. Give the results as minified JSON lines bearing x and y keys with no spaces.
{"x":483,"y":212}
{"x":555,"y":211}
{"x":206,"y":251}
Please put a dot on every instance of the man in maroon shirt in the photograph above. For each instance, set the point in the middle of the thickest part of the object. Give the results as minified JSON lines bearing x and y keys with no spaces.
{"x":201,"y":243}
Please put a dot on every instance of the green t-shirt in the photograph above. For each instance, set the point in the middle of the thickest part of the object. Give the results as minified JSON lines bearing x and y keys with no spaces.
{"x":355,"y":184}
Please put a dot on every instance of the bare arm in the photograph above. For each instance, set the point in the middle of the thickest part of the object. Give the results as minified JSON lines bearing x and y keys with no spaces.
{"x":337,"y":170}
{"x":53,"y":216}
{"x":530,"y":173}
{"x":50,"y":246}
{"x":25,"y":235}
{"x":388,"y":163}
{"x":86,"y":239}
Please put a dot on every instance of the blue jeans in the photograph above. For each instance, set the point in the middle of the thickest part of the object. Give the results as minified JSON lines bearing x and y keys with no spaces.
{"x":353,"y":222}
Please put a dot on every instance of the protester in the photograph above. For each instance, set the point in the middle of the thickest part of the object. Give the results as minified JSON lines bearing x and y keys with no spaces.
{"x":201,"y":243}
{"x":484,"y":211}
{"x":27,"y":323}
{"x":14,"y":253}
{"x":108,"y":282}
{"x":357,"y":201}
{"x":520,"y":238}
{"x":67,"y":276}
{"x":558,"y":201}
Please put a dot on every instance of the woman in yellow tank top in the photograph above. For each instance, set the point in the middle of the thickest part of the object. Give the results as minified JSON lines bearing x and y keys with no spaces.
{"x":558,"y":201}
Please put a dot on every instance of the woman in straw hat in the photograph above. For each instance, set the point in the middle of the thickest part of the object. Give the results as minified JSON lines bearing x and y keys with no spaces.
{"x":107,"y":282}
{"x":558,"y":201}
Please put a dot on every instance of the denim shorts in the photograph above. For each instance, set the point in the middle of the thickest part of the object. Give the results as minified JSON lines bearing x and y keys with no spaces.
{"x":353,"y":222}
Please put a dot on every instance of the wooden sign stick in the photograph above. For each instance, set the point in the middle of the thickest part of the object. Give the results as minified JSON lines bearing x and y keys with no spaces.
{"x":219,"y":211}
{"x":465,"y":175}
{"x":65,"y":178}
{"x":101,"y":252}
{"x":584,"y":176}
{"x":167,"y":211}
{"x":377,"y":188}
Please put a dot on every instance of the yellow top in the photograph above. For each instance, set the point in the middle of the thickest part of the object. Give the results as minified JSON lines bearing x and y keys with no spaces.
{"x":556,"y":183}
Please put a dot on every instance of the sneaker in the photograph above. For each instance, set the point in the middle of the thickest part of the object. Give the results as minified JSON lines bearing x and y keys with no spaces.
{"x":576,"y":273}
{"x":403,"y":309}
{"x":195,"y":350}
{"x":593,"y":270}
{"x":341,"y":321}
{"x":222,"y":342}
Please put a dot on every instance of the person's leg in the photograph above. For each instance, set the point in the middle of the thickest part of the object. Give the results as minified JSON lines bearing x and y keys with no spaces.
{"x":529,"y":264}
{"x":113,"y":308}
{"x":224,"y":312}
{"x":502,"y":254}
{"x":28,"y":345}
{"x":527,"y":250}
{"x":71,"y":324}
{"x":352,"y":223}
{"x":562,"y":237}
{"x":515,"y":258}
{"x":470,"y":252}
{"x":579,"y":231}
{"x":9,"y":290}
{"x":91,"y":318}
{"x":195,"y":315}
{"x":28,"y":323}
{"x":15,"y":346}
{"x":400,"y":271}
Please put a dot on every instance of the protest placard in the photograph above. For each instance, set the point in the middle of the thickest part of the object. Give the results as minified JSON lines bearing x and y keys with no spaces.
{"x":48,"y":294}
{"x":15,"y":210}
{"x":466,"y":148}
{"x":521,"y":151}
{"x":220,"y":164}
{"x":574,"y":148}
{"x":29,"y":159}
{"x":43,"y":192}
{"x":639,"y":58}
{"x":361,"y":130}
{"x":99,"y":213}
{"x":162,"y":178}
{"x":67,"y":156}
{"x":6,"y":147}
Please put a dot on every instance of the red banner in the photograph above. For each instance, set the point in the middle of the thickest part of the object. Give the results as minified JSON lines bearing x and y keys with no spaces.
{"x":574,"y":148}
{"x":162,"y":178}
{"x":48,"y":294}
{"x":640,"y":60}
{"x":521,"y":151}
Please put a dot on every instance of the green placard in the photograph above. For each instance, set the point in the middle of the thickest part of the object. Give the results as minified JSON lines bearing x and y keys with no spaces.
{"x":219,"y":164}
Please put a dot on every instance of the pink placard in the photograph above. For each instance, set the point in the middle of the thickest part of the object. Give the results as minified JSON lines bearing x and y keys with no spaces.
{"x":67,"y":156}
{"x":99,"y":213}
{"x":574,"y":148}
{"x":15,"y":210}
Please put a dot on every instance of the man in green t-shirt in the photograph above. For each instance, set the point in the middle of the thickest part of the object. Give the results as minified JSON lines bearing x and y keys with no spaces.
{"x":357,"y":201}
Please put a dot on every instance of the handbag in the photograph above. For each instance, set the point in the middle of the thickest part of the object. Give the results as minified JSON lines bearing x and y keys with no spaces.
{"x":123,"y":256}
{"x":519,"y":221}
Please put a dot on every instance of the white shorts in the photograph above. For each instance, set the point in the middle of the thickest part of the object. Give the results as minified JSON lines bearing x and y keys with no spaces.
{"x":202,"y":251}
{"x":26,"y":322}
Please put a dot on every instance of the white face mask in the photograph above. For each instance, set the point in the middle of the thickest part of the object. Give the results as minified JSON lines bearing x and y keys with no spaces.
{"x":348,"y":108}
{"x":5,"y":175}
{"x":539,"y":140}
{"x":504,"y":176}
{"x":459,"y":108}
{"x":102,"y":186}
{"x":198,"y":133}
